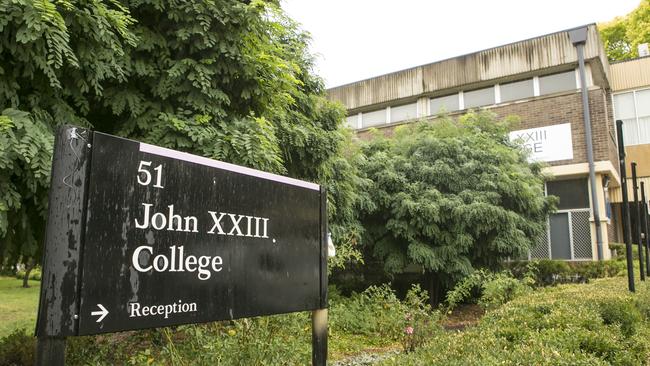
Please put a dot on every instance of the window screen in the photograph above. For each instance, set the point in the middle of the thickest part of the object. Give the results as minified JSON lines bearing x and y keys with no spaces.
{"x":573,"y":193}
{"x":557,"y":82}
{"x":517,"y":90}
{"x":447,"y":103}
{"x":480,"y":97}
{"x":403,"y":112}
{"x":373,"y":118}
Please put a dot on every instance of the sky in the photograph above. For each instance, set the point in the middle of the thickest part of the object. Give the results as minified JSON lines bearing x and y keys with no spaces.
{"x":358,"y":39}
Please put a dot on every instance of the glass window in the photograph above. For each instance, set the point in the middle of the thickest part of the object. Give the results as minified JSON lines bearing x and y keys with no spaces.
{"x":403,"y":112}
{"x":643,"y":102}
{"x":479,"y":98}
{"x":447,"y":103}
{"x":517,"y":90}
{"x":373,"y":118}
{"x":624,"y":106}
{"x":624,"y":110}
{"x":558,"y":82}
{"x":573,"y":193}
{"x":643,"y":114}
{"x":351,"y":121}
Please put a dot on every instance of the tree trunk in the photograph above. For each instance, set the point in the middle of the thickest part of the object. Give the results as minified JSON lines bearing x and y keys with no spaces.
{"x":433,"y":288}
{"x":28,"y":269}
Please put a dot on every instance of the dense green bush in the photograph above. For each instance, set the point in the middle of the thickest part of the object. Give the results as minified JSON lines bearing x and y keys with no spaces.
{"x":599,"y":323}
{"x":451,"y":196}
{"x":17,"y":349}
{"x":35,"y":274}
{"x":488,"y":289}
{"x":620,"y":312}
{"x":551,"y":272}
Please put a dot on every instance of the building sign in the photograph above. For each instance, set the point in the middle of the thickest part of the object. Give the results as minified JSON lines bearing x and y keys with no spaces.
{"x":172,"y":238}
{"x":549,"y":143}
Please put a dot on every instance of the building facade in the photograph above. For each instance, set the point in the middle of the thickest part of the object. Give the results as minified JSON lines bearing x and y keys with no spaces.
{"x":538,"y":80}
{"x":630,"y":84}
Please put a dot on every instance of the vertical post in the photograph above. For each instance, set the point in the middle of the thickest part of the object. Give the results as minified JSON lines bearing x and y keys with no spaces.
{"x":578,"y":37}
{"x":319,"y":337}
{"x":58,"y":304}
{"x":319,"y":316}
{"x":625,"y":207}
{"x":637,"y":219}
{"x":646,"y":238}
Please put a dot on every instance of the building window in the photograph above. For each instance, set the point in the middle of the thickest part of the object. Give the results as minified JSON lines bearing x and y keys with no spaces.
{"x":403,"y":112}
{"x":633,"y":108}
{"x":448,"y":103}
{"x":373,"y":118}
{"x":573,"y":193}
{"x":517,"y":90}
{"x":351,"y":121}
{"x":557,"y":82}
{"x":479,"y":98}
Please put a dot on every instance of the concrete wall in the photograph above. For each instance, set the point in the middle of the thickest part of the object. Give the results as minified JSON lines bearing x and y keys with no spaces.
{"x":550,"y":53}
{"x":631,"y":74}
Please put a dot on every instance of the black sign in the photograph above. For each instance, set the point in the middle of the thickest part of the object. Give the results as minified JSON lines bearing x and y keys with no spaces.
{"x":172,"y":238}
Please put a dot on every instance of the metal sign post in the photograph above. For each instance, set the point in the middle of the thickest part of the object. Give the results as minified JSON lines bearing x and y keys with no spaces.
{"x":625,"y":208}
{"x":141,"y":236}
{"x":646,"y":239}
{"x":637,"y":220}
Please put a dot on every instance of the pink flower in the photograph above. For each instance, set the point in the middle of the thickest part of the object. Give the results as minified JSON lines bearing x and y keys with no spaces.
{"x":408,"y":330}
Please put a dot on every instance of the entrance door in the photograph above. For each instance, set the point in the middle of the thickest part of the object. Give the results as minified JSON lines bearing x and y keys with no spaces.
{"x":560,"y":236}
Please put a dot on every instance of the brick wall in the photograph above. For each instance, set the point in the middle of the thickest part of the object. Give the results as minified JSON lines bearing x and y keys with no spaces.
{"x":558,"y":109}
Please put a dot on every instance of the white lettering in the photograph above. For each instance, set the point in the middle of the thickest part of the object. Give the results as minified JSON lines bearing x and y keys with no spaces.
{"x":171,"y":222}
{"x":176,"y":261}
{"x":162,"y":220}
{"x":156,"y":262}
{"x":146,"y":217}
{"x":137,"y":310}
{"x":135,"y":260}
{"x":235,"y":224}
{"x":217,"y":222}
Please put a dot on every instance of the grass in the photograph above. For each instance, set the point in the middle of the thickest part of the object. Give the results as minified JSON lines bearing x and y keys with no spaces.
{"x":17,"y":305}
{"x":577,"y":323}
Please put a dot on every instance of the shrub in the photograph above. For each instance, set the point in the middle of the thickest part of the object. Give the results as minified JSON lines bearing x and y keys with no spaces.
{"x":621,"y":312}
{"x":489,"y":289}
{"x":378,"y":312}
{"x":34,"y":275}
{"x":599,"y":323}
{"x":501,"y":289}
{"x":552,"y":272}
{"x":420,"y":322}
{"x":17,"y":349}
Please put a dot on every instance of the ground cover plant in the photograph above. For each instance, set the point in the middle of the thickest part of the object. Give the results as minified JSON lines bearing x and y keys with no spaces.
{"x":375,"y":318}
{"x":599,"y":323}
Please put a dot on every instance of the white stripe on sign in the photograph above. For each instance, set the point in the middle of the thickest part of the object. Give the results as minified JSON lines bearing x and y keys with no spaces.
{"x":161,"y":151}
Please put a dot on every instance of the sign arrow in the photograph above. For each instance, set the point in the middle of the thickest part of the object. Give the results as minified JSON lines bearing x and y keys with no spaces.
{"x":102,"y":313}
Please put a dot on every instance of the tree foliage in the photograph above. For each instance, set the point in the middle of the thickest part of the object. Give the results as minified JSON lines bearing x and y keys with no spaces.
{"x":451,"y":196}
{"x":225,"y":79}
{"x":622,"y":35}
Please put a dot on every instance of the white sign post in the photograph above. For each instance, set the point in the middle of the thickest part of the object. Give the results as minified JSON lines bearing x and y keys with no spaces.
{"x":549,"y":143}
